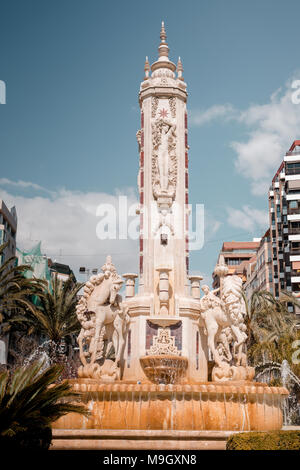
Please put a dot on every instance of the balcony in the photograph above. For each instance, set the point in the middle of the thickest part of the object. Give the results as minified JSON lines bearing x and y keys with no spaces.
{"x":295,"y":252}
{"x":294,"y":211}
{"x":294,"y":231}
{"x":292,"y":171}
{"x":295,"y":217}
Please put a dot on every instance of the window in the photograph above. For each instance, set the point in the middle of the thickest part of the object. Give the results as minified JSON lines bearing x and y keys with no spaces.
{"x":293,"y":205}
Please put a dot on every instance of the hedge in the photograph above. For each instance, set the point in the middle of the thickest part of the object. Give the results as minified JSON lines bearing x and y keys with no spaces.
{"x":273,"y":440}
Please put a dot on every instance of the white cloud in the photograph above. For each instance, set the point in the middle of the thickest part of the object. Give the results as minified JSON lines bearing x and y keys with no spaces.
{"x":270,"y":130}
{"x":23,"y":185}
{"x":66,"y":224}
{"x":248,"y":219}
{"x":200,"y":117}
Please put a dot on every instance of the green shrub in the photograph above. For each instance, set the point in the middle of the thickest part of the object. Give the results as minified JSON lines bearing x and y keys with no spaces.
{"x":30,"y":400}
{"x":273,"y":440}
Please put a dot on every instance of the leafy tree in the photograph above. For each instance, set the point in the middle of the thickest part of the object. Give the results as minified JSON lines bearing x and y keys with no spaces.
{"x":272,"y":329}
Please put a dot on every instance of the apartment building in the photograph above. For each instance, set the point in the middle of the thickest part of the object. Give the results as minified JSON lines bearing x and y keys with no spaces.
{"x":258,"y":271}
{"x":284,"y":214}
{"x":237,"y":255}
{"x":8,"y":230}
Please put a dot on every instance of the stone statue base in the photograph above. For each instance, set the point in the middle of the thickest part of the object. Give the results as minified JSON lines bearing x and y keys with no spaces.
{"x":236,"y":373}
{"x":107,"y":372}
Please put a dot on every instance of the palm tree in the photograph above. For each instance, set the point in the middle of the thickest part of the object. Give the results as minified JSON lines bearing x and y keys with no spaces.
{"x":55,"y":314}
{"x":15,"y":289}
{"x":271,"y":327}
{"x":29,"y":402}
{"x":268,"y":318}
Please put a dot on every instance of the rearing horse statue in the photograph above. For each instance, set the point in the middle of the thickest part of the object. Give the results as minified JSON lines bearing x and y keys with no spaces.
{"x":100,"y":308}
{"x":221,"y":313}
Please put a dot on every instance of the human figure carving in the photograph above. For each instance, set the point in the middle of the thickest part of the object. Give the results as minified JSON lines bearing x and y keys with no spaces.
{"x":164,"y":157}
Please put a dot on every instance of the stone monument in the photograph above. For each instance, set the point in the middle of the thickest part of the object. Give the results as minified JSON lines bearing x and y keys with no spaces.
{"x":145,"y":357}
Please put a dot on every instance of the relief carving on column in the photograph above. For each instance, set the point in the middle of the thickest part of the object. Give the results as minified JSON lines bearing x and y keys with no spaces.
{"x":154,"y":105}
{"x":164,"y":160}
{"x":172,"y":104}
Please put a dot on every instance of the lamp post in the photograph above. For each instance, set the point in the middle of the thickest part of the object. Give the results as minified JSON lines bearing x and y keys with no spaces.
{"x":88,"y":271}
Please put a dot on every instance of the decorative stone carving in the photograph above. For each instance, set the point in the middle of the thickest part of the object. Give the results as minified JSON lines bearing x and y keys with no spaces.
{"x":165,"y":223}
{"x":154,"y":105}
{"x":195,"y":285}
{"x":130,"y":284}
{"x":226,"y":332}
{"x":104,"y":320}
{"x":164,"y":160}
{"x":164,"y":291}
{"x":139,"y":138}
{"x":163,"y":343}
{"x":172,"y":104}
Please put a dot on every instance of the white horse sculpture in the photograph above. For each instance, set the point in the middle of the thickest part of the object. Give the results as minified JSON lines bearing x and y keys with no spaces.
{"x":219,"y":314}
{"x":99,"y":309}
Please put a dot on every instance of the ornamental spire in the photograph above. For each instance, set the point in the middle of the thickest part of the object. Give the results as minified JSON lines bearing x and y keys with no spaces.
{"x":163,"y":49}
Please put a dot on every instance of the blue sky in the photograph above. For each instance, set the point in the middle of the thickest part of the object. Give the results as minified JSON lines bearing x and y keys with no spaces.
{"x":72,"y":69}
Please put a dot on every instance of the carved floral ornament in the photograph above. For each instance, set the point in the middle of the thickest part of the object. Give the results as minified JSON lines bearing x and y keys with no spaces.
{"x":163,"y":343}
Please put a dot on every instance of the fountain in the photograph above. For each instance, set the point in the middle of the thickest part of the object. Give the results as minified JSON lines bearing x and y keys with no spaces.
{"x":144,"y":372}
{"x":288,"y":379}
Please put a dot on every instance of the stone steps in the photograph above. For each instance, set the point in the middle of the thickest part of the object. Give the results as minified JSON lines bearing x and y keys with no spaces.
{"x":98,"y":439}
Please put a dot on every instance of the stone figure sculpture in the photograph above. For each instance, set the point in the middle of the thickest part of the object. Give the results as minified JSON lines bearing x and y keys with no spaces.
{"x":164,"y":162}
{"x":104,"y":319}
{"x":226,"y":332}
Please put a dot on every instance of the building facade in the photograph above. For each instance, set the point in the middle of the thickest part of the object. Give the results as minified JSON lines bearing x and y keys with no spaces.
{"x":237,"y":255}
{"x":258,"y":272}
{"x":8,"y":230}
{"x":284,"y":214}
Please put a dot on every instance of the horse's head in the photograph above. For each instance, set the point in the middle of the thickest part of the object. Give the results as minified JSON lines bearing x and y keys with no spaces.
{"x":114,"y":289}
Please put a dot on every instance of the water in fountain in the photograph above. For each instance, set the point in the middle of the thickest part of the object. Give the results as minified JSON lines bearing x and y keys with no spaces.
{"x":289,"y":380}
{"x":48,"y":353}
{"x":164,"y":368}
{"x":41,"y":353}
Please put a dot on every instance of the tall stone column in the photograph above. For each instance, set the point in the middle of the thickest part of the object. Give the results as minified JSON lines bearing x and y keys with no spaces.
{"x":163,"y":175}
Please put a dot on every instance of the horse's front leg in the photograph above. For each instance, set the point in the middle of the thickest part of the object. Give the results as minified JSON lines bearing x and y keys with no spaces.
{"x":94,"y":342}
{"x":212,"y":331}
{"x":118,"y":324}
{"x":238,"y":344}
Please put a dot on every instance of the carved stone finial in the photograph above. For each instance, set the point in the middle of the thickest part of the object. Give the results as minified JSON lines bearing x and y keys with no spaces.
{"x":179,"y":69}
{"x":163,"y":35}
{"x":147,"y":68}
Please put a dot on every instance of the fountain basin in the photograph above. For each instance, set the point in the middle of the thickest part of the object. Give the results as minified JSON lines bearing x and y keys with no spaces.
{"x":164,"y":368}
{"x":200,"y":407}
